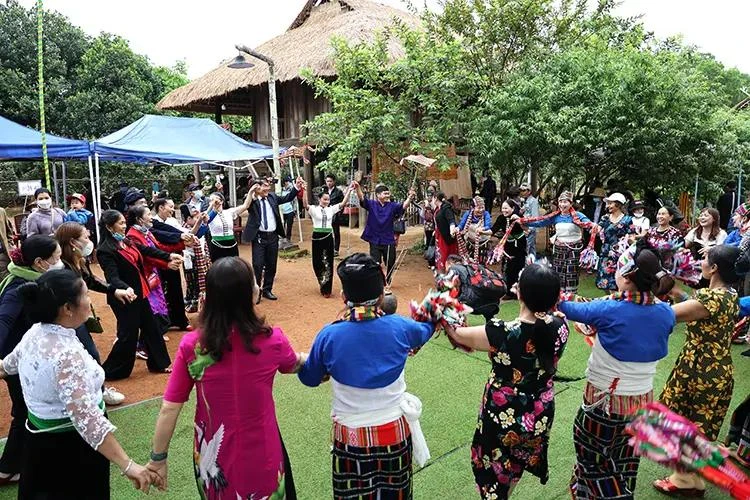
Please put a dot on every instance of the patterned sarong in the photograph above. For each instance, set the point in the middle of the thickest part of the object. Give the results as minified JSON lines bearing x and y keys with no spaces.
{"x":565,"y":263}
{"x":372,"y":462}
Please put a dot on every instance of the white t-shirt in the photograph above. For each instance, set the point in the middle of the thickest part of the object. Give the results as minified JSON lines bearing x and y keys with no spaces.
{"x":642,"y":224}
{"x":322,"y":217}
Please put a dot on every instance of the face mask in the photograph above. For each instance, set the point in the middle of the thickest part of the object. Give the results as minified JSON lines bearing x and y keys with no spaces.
{"x":44,"y":204}
{"x":118,"y":236}
{"x":57,"y":265}
{"x":87,"y":249}
{"x":198,"y":195}
{"x":638,"y":214}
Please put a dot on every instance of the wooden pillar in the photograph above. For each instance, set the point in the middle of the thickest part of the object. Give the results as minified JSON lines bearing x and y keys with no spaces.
{"x":217,"y":113}
{"x":307,"y":168}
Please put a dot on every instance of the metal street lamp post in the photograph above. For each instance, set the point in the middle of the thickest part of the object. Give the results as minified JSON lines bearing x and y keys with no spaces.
{"x":240,"y":62}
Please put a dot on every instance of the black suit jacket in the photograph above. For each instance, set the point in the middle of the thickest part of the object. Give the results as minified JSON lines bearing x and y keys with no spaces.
{"x":253,"y":218}
{"x":165,"y":233}
{"x":337,"y":196}
{"x":118,"y":271}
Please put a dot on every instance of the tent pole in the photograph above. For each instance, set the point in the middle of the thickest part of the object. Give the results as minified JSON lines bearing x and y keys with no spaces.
{"x":93,"y":197}
{"x":739,"y":188}
{"x":54,"y":181}
{"x":232,"y":179}
{"x":65,"y":186}
{"x":695,"y":196}
{"x":98,"y":197}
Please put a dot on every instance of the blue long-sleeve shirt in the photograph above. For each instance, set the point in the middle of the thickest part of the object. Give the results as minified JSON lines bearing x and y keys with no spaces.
{"x":734,"y":239}
{"x":487,"y":219}
{"x":744,"y":306}
{"x":627,"y":331}
{"x":81,"y":216}
{"x":365,"y":354}
{"x":557,"y":219}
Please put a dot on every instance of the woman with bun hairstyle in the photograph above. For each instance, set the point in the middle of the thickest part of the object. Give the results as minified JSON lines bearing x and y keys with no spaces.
{"x":123,"y":264}
{"x":68,"y":431}
{"x":632,"y":330}
{"x":700,"y":385}
{"x":36,"y":255}
{"x":518,"y":405}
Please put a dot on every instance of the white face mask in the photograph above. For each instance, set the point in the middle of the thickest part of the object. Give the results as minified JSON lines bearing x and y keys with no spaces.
{"x":44,"y":204}
{"x":87,"y":249}
{"x":57,"y":265}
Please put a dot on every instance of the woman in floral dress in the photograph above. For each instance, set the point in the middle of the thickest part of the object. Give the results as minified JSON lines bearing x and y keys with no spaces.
{"x":231,"y":362}
{"x":614,"y":227}
{"x":518,"y":406}
{"x":700,"y":385}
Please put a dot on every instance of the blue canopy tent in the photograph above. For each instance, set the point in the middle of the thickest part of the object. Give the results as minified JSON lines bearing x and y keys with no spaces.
{"x":175,"y":140}
{"x":23,"y":143}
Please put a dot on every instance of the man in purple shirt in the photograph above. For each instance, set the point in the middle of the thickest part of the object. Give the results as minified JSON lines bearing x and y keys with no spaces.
{"x":381,"y":212}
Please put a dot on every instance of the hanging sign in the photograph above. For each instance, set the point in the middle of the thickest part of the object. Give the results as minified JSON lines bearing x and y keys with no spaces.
{"x":27,"y":188}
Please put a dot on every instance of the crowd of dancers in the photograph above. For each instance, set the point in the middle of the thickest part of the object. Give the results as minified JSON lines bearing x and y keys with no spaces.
{"x":56,"y":378}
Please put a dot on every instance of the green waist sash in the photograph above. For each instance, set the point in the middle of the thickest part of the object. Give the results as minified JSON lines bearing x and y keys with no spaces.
{"x":55,"y":424}
{"x":322,"y":230}
{"x":223,"y":238}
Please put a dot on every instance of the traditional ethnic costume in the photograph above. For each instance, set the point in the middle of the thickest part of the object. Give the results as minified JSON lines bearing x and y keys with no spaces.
{"x":374,"y":420}
{"x":515,"y":249}
{"x":238,"y":450}
{"x":675,"y":258}
{"x":700,"y":385}
{"x":611,"y":234}
{"x":568,"y":241}
{"x":221,"y":226}
{"x":473,"y":244}
{"x":518,"y":407}
{"x":632,"y":333}
{"x":445,"y":243}
{"x":323,"y":244}
{"x":739,"y":426}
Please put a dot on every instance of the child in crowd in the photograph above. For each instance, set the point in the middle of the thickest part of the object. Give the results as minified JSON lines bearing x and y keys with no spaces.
{"x":640,"y":221}
{"x":77,"y":212}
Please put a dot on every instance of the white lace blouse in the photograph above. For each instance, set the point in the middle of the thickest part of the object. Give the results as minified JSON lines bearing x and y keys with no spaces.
{"x":60,"y":380}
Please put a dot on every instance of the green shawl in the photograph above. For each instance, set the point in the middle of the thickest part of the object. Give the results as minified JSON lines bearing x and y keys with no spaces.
{"x":25,"y":273}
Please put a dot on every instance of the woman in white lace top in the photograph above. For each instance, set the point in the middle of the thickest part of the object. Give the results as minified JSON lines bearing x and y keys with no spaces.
{"x":69,"y":433}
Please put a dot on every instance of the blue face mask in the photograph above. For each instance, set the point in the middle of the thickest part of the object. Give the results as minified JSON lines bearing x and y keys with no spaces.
{"x":118,"y":236}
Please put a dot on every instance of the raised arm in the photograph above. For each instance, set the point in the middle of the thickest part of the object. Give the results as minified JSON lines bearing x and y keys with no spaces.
{"x":412,"y":194}
{"x":245,"y":205}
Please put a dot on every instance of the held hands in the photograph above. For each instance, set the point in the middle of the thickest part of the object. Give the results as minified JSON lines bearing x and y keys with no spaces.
{"x":300,"y":184}
{"x":125,"y":296}
{"x":159,"y":474}
{"x":175,"y":261}
{"x":141,"y":477}
{"x":412,"y":194}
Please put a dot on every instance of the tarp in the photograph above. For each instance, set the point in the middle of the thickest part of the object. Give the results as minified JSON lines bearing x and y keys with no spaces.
{"x":171,"y":139}
{"x":23,"y":143}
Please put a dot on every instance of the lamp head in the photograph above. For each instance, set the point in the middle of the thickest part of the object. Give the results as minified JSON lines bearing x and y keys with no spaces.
{"x":240,"y":62}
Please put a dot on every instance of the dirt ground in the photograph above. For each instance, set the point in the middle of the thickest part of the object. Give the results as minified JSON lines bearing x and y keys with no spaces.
{"x":300,"y":311}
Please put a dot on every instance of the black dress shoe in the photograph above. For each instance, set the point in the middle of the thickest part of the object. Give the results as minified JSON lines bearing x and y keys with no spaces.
{"x":270,"y":296}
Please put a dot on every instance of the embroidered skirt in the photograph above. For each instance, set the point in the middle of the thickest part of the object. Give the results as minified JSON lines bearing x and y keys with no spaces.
{"x":370,"y":463}
{"x":565,"y":263}
{"x":606,"y":465}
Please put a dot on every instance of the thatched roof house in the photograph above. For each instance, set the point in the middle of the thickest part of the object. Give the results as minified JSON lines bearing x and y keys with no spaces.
{"x":305,"y":44}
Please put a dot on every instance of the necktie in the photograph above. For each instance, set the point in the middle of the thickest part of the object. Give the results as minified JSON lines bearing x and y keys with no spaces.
{"x":264,"y":216}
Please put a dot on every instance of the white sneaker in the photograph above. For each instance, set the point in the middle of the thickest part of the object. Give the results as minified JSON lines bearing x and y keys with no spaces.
{"x":112,"y":396}
{"x":141,"y":354}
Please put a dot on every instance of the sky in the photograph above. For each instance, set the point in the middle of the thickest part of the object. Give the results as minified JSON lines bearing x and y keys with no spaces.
{"x":203,"y":33}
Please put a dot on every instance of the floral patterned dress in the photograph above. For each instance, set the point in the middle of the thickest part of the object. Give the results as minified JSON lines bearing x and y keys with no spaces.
{"x":700,"y":385}
{"x":518,"y":407}
{"x":611,"y":234}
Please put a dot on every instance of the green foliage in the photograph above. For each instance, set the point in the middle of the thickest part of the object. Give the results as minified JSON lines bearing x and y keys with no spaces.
{"x":576,"y":96}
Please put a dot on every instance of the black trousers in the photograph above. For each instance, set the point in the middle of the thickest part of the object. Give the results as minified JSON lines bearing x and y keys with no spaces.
{"x":132,"y":318}
{"x":386,"y":254}
{"x":84,"y":336}
{"x":15,"y":446}
{"x":172,"y":283}
{"x":265,"y":254}
{"x":322,"y":260}
{"x":54,"y":459}
{"x":336,"y":225}
{"x":289,"y":224}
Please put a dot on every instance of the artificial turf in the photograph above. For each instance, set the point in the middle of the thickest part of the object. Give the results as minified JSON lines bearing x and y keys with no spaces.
{"x":450,"y":385}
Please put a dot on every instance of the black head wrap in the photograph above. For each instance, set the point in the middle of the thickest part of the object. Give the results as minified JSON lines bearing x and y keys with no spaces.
{"x":361,"y":277}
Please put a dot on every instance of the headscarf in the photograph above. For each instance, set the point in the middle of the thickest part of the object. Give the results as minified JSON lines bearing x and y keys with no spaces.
{"x":565,"y":195}
{"x":477,"y":202}
{"x":361,"y":278}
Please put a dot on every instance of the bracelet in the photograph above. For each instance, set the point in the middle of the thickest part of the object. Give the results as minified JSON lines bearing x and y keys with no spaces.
{"x":158,"y":457}
{"x":130,"y":464}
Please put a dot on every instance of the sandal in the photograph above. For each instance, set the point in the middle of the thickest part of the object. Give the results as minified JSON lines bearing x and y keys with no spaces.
{"x":10,"y":479}
{"x":667,"y":487}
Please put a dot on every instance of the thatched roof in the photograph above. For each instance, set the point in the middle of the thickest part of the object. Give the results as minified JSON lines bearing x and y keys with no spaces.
{"x":305,"y":44}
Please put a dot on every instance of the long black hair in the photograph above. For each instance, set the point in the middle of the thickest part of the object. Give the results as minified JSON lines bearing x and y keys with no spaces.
{"x":107,"y":220}
{"x":230,"y":287}
{"x":724,"y":258}
{"x":44,"y":297}
{"x":539,"y":288}
{"x":649,"y":275}
{"x":37,"y":246}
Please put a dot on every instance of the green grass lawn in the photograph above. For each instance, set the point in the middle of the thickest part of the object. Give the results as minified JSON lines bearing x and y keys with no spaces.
{"x":449,"y":384}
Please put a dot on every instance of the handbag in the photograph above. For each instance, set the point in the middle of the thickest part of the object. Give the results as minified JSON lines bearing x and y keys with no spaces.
{"x":94,"y":323}
{"x":399,"y":226}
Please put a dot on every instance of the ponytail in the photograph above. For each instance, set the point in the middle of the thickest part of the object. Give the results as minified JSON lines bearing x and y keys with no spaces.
{"x":544,"y":336}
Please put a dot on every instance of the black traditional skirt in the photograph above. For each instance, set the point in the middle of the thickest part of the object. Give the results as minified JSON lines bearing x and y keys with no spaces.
{"x":62,"y":466}
{"x":372,"y":463}
{"x":218,"y":250}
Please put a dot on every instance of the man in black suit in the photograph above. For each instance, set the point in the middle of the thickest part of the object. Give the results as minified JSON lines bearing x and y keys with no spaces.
{"x":263,"y":230}
{"x":337,"y":196}
{"x":726,"y":204}
{"x":488,"y":191}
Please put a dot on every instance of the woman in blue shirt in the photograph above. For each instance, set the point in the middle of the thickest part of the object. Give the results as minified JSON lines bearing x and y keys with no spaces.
{"x":633,"y":327}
